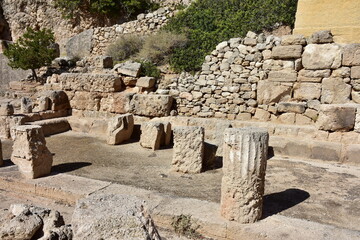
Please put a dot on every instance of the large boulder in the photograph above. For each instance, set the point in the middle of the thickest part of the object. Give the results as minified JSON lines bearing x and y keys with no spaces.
{"x":151,"y":105}
{"x":120,"y":217}
{"x":80,"y":45}
{"x":323,"y":56}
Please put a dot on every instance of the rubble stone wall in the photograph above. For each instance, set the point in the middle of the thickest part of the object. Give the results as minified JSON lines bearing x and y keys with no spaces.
{"x":285,"y":80}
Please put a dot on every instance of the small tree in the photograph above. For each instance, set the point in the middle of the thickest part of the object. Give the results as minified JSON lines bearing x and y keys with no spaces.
{"x":33,"y":50}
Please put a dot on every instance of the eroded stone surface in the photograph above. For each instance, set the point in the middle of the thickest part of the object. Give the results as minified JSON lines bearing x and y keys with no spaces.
{"x":30,"y":152}
{"x":6,"y":109}
{"x":188,"y":149}
{"x":120,"y":129}
{"x":151,"y":135}
{"x":336,"y":118}
{"x":244,"y":164}
{"x":324,"y":56}
{"x":151,"y":105}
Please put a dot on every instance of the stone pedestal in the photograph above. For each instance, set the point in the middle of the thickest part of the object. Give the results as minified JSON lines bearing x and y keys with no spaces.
{"x":188,"y":149}
{"x":120,"y":129}
{"x":26,"y":105}
{"x":151,"y":135}
{"x":30,"y":152}
{"x":244,"y":164}
{"x":6,"y":109}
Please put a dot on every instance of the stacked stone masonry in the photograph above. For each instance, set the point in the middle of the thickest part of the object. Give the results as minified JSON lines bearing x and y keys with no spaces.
{"x":267,"y":78}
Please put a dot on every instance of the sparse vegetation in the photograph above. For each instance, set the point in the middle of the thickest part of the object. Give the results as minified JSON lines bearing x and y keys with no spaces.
{"x":183,"y":225}
{"x":149,"y":69}
{"x":209,"y":22}
{"x":125,"y":47}
{"x":33,"y":50}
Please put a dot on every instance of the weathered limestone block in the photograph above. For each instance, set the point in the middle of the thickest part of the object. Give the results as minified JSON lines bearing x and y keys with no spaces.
{"x":351,"y":56}
{"x":272,"y":92}
{"x":26,"y":105}
{"x":307,"y":91}
{"x":128,"y":68}
{"x":166,"y":137}
{"x":262,"y":115}
{"x":357,"y":120}
{"x":283,"y":76}
{"x":86,"y":101}
{"x":80,"y":45}
{"x":287,"y":52}
{"x":151,"y":105}
{"x":313,"y":75}
{"x":104,"y":62}
{"x":146,"y":82}
{"x":116,"y":102}
{"x":321,"y":37}
{"x":151,"y":135}
{"x":6,"y":109}
{"x":120,"y":129}
{"x":104,"y":216}
{"x":355,"y":72}
{"x":324,"y":56}
{"x":59,"y":100}
{"x":44,"y":104}
{"x":343,"y":72}
{"x":90,"y":82}
{"x":244,"y":164}
{"x":336,"y":118}
{"x":30,"y":152}
{"x":287,"y":118}
{"x":335,"y":91}
{"x":188,"y":149}
{"x":291,"y":107}
{"x":293,"y":40}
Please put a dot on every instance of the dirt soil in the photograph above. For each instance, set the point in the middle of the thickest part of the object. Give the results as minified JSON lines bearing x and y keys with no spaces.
{"x":317,"y":191}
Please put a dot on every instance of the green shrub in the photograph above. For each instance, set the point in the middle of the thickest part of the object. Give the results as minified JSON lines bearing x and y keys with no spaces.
{"x":148,"y":69}
{"x":209,"y":22}
{"x":125,"y":47}
{"x":130,"y":8}
{"x":33,"y":50}
{"x":158,"y":47}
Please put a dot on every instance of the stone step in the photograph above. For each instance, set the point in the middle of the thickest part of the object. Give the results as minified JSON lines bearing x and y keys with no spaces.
{"x":53,"y":126}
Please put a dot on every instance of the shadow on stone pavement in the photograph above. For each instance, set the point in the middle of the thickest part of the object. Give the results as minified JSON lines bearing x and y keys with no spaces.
{"x":69,"y":167}
{"x":277,"y":202}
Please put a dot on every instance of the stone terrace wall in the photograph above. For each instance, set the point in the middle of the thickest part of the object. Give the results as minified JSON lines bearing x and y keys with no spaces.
{"x":272,"y":79}
{"x":145,"y":24}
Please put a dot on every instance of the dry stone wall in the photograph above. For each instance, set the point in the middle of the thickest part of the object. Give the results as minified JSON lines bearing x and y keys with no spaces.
{"x":284,"y":80}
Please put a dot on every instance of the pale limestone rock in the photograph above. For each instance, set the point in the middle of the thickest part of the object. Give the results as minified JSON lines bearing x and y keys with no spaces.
{"x":355,"y":72}
{"x":293,"y":40}
{"x":244,"y":164}
{"x":6,"y":109}
{"x":351,"y":56}
{"x":146,"y":82}
{"x":21,"y":227}
{"x":26,"y":105}
{"x":287,"y":118}
{"x":122,"y":217}
{"x":116,"y":102}
{"x":302,"y":120}
{"x":188,"y":149}
{"x":287,"y":52}
{"x":30,"y":152}
{"x":128,"y":68}
{"x":86,"y":101}
{"x":335,"y":91}
{"x":324,"y":56}
{"x":59,"y":100}
{"x":291,"y":107}
{"x":283,"y":76}
{"x":151,"y":105}
{"x":262,"y":115}
{"x":343,"y":72}
{"x":104,"y":62}
{"x":357,"y":120}
{"x":321,"y":37}
{"x":307,"y":91}
{"x":336,"y":118}
{"x":311,"y":113}
{"x":151,"y":135}
{"x":90,"y":82}
{"x":272,"y":92}
{"x":44,"y":104}
{"x":120,"y":129}
{"x":355,"y":96}
{"x":1,"y":155}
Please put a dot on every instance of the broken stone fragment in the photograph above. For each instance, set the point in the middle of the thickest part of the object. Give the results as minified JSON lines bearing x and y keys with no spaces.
{"x":26,"y":105}
{"x":151,"y":135}
{"x":128,"y":68}
{"x":120,"y":129}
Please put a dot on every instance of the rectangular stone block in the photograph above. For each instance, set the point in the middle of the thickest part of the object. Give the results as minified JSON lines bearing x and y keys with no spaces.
{"x":287,"y":52}
{"x":116,"y":102}
{"x":292,"y":107}
{"x":188,"y":149}
{"x":355,"y":72}
{"x":90,"y":82}
{"x":120,"y":129}
{"x":86,"y":101}
{"x":307,"y":91}
{"x":151,"y":135}
{"x":151,"y":105}
{"x":30,"y":152}
{"x":283,"y":76}
{"x":293,"y":40}
{"x":351,"y":55}
{"x":6,"y":109}
{"x":336,"y":118}
{"x":245,"y":154}
{"x":335,"y":91}
{"x":322,"y":56}
{"x":1,"y":155}
{"x":272,"y":92}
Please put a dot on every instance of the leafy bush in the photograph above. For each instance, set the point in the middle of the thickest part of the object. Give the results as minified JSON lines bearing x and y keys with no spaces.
{"x":33,"y":50}
{"x":149,"y":69}
{"x":125,"y":47}
{"x":158,"y":47}
{"x":209,"y":22}
{"x":105,"y":7}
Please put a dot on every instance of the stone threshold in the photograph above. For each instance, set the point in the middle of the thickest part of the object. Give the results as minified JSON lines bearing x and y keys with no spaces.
{"x":68,"y":189}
